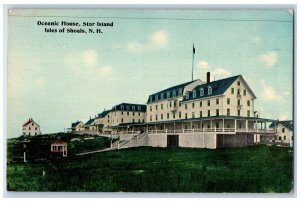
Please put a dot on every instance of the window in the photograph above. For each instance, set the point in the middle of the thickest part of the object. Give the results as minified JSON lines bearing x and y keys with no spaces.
{"x":185,"y":106}
{"x":194,"y":93}
{"x":29,"y":128}
{"x":133,"y":108}
{"x":156,"y":117}
{"x":228,"y":112}
{"x":170,"y":104}
{"x":162,"y":106}
{"x":150,"y":100}
{"x":209,"y":90}
{"x":132,"y":120}
{"x":139,"y":120}
{"x":161,"y":116}
{"x":217,"y":112}
{"x":284,"y":137}
{"x":201,"y":92}
{"x":193,"y":105}
{"x":239,"y":112}
{"x":238,"y":91}
{"x":150,"y":108}
{"x":127,"y":113}
{"x":232,"y":91}
{"x":127,"y":108}
{"x":248,"y":103}
{"x":200,"y":114}
{"x":162,"y":96}
{"x":121,"y":120}
{"x":217,"y":101}
{"x":156,"y":97}
{"x":168,"y":116}
{"x":279,"y":137}
{"x":245,"y":92}
{"x":29,"y":133}
{"x":208,"y":112}
{"x":168,"y":94}
{"x":179,"y":114}
{"x":32,"y":124}
{"x":228,"y":101}
{"x":132,"y":113}
{"x":150,"y":117}
{"x":174,"y":93}
{"x":193,"y":115}
{"x":173,"y":115}
{"x":238,"y":102}
{"x":187,"y":95}
{"x":156,"y":107}
{"x":139,"y":108}
{"x":238,"y":83}
{"x":180,"y":92}
{"x":283,"y":130}
{"x":174,"y":103}
{"x":185,"y":115}
{"x":200,"y":103}
{"x":35,"y":128}
{"x":248,"y":113}
{"x":208,"y":102}
{"x":36,"y":133}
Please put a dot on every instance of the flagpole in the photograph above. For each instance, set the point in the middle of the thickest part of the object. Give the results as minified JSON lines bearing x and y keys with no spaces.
{"x":193,"y":63}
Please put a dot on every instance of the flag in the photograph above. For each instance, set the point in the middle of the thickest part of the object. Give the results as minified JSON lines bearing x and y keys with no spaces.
{"x":194,"y":49}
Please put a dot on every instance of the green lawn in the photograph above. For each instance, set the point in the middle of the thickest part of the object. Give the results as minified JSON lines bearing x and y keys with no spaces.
{"x":252,"y":169}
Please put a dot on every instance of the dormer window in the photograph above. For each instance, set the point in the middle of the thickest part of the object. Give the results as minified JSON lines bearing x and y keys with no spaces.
{"x":139,"y":108}
{"x":156,"y":97}
{"x":150,"y":98}
{"x":187,"y":95}
{"x":201,"y":92}
{"x":161,"y":96}
{"x":194,"y":93}
{"x":168,"y":94}
{"x":174,"y":93}
{"x":209,"y":90}
{"x":127,"y":108}
{"x":238,"y":83}
{"x":133,"y":108}
{"x":180,"y":92}
{"x":122,"y":107}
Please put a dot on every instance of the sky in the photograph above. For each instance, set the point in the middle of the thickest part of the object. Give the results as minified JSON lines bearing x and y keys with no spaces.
{"x":59,"y":78}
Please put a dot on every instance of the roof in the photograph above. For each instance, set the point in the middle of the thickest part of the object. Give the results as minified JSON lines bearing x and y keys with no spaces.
{"x":104,"y":113}
{"x":288,"y":124}
{"x":218,"y":88}
{"x":30,"y":120}
{"x":130,"y":107}
{"x":59,"y":141}
{"x":176,"y":90}
{"x":90,"y":121}
{"x":76,"y":123}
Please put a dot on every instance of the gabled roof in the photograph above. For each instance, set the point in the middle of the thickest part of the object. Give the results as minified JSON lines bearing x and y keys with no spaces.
{"x":171,"y":89}
{"x":288,"y":124}
{"x":218,"y":87}
{"x":59,"y":141}
{"x":76,"y":123}
{"x":30,"y":120}
{"x":89,"y":122}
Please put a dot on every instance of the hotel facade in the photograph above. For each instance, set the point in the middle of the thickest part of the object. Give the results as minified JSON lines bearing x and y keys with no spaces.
{"x":210,"y":114}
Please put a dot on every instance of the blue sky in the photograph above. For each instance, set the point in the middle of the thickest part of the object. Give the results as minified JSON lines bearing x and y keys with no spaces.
{"x":58,"y":78}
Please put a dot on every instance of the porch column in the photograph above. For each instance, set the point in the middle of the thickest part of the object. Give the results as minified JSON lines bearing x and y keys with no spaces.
{"x":174,"y":128}
{"x":246,"y":125}
{"x":182,"y":126}
{"x":234,"y":125}
{"x":223,"y":124}
{"x":210,"y":123}
{"x":191,"y":124}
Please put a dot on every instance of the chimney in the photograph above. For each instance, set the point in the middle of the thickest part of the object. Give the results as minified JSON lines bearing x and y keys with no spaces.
{"x":208,"y":77}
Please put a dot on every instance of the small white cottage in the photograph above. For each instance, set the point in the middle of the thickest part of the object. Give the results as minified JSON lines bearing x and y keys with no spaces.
{"x":31,"y":128}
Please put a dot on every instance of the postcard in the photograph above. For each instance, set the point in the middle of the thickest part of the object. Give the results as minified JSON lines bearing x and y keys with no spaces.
{"x":150,"y":100}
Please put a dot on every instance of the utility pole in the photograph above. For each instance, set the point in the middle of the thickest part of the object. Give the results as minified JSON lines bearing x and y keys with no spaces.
{"x":193,"y":63}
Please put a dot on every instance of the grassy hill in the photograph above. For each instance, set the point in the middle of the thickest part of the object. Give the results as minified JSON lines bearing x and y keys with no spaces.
{"x":260,"y":169}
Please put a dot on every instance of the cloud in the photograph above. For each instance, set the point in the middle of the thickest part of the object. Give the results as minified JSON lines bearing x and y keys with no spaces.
{"x":269,"y":93}
{"x":269,"y":59}
{"x":256,"y":39}
{"x":90,"y":57}
{"x":283,"y":117}
{"x":204,"y":65}
{"x":105,"y":71}
{"x":40,"y":82}
{"x":158,"y":39}
{"x":216,"y":73}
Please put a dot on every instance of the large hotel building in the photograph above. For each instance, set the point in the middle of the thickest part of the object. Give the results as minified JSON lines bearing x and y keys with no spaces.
{"x":210,"y":114}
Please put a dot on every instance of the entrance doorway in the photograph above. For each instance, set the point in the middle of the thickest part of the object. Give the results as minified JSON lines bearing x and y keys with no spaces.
{"x":172,"y":140}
